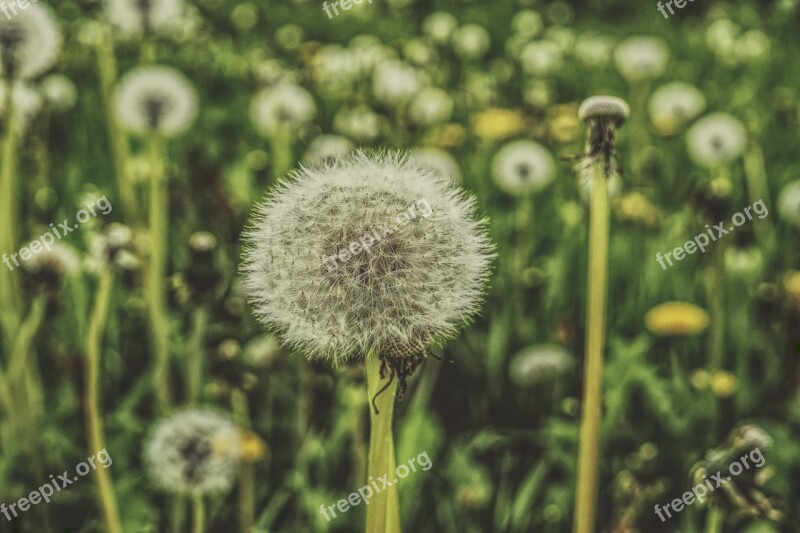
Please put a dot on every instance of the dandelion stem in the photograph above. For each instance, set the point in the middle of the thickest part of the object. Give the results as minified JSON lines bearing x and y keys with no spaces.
{"x":714,"y":520}
{"x":758,"y":189}
{"x":157,"y":271}
{"x":97,"y":323}
{"x":383,"y":511}
{"x":9,"y":291}
{"x":199,"y":514}
{"x":247,"y":490}
{"x":586,"y":495}
{"x":282,"y":159}
{"x":195,"y":356}
{"x":107,"y":70}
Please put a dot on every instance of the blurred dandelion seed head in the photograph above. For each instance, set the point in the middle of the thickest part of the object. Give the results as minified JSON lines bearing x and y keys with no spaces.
{"x":431,"y":105}
{"x":416,"y":284}
{"x":641,"y":58}
{"x":789,"y":203}
{"x":439,"y":26}
{"x":26,"y":103}
{"x":395,"y":82}
{"x":282,"y":108}
{"x":716,"y":140}
{"x":523,"y":167}
{"x":540,"y":363}
{"x":471,"y":41}
{"x":194,"y":452}
{"x":155,"y":100}
{"x":29,"y":42}
{"x":440,"y":161}
{"x":136,"y":17}
{"x":325,"y":148}
{"x":59,"y":92}
{"x":674,"y":105}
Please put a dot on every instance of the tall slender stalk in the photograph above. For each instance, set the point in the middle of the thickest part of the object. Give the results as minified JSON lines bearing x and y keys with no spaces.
{"x":247,"y":490}
{"x":107,"y":70}
{"x":105,"y":487}
{"x":195,"y":356}
{"x":586,"y":502}
{"x":383,"y":511}
{"x":157,"y":272}
{"x":602,"y":115}
{"x":198,"y":510}
{"x":10,"y":300}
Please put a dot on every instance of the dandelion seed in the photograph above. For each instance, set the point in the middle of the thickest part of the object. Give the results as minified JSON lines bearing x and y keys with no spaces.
{"x":157,"y":100}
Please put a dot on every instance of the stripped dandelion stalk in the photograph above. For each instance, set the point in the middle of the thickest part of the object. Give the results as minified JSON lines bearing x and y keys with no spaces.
{"x":602,"y":115}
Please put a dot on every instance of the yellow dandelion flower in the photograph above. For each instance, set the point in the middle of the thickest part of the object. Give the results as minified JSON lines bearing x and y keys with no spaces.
{"x":253,"y":447}
{"x":564,"y":122}
{"x":791,"y":284}
{"x":636,"y":207}
{"x":447,"y":136}
{"x":676,"y":318}
{"x":723,"y":384}
{"x":495,"y":124}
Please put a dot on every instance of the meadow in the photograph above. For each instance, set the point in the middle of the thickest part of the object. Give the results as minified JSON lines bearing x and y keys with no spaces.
{"x":267,"y":268}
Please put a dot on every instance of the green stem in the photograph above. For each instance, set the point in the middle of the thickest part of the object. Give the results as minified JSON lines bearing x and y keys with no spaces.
{"x":758,"y":189}
{"x":195,"y":356}
{"x":586,"y":494}
{"x":716,"y":298}
{"x":714,"y":520}
{"x":10,"y":300}
{"x":157,"y":272}
{"x":247,"y":492}
{"x":282,"y":158}
{"x":107,"y":71}
{"x":97,"y":324}
{"x":22,"y":344}
{"x":199,"y":514}
{"x":383,"y":511}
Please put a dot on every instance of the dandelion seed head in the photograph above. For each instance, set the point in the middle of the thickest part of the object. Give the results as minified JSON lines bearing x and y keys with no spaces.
{"x":59,"y":92}
{"x":281,"y":108}
{"x":440,"y":161}
{"x":641,"y":58}
{"x":155,"y":99}
{"x":471,"y":41}
{"x":439,"y":26}
{"x":325,"y":148}
{"x":194,"y":452}
{"x":789,"y":203}
{"x":395,"y":82}
{"x":29,"y":42}
{"x":540,"y":363}
{"x":26,"y":103}
{"x":675,"y":104}
{"x":523,"y":167}
{"x":135,"y":17}
{"x":541,"y":58}
{"x":412,"y":287}
{"x":716,"y":140}
{"x":431,"y":105}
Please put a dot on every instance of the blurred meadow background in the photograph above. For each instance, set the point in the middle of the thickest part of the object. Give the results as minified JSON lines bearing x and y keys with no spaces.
{"x":141,"y":311}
